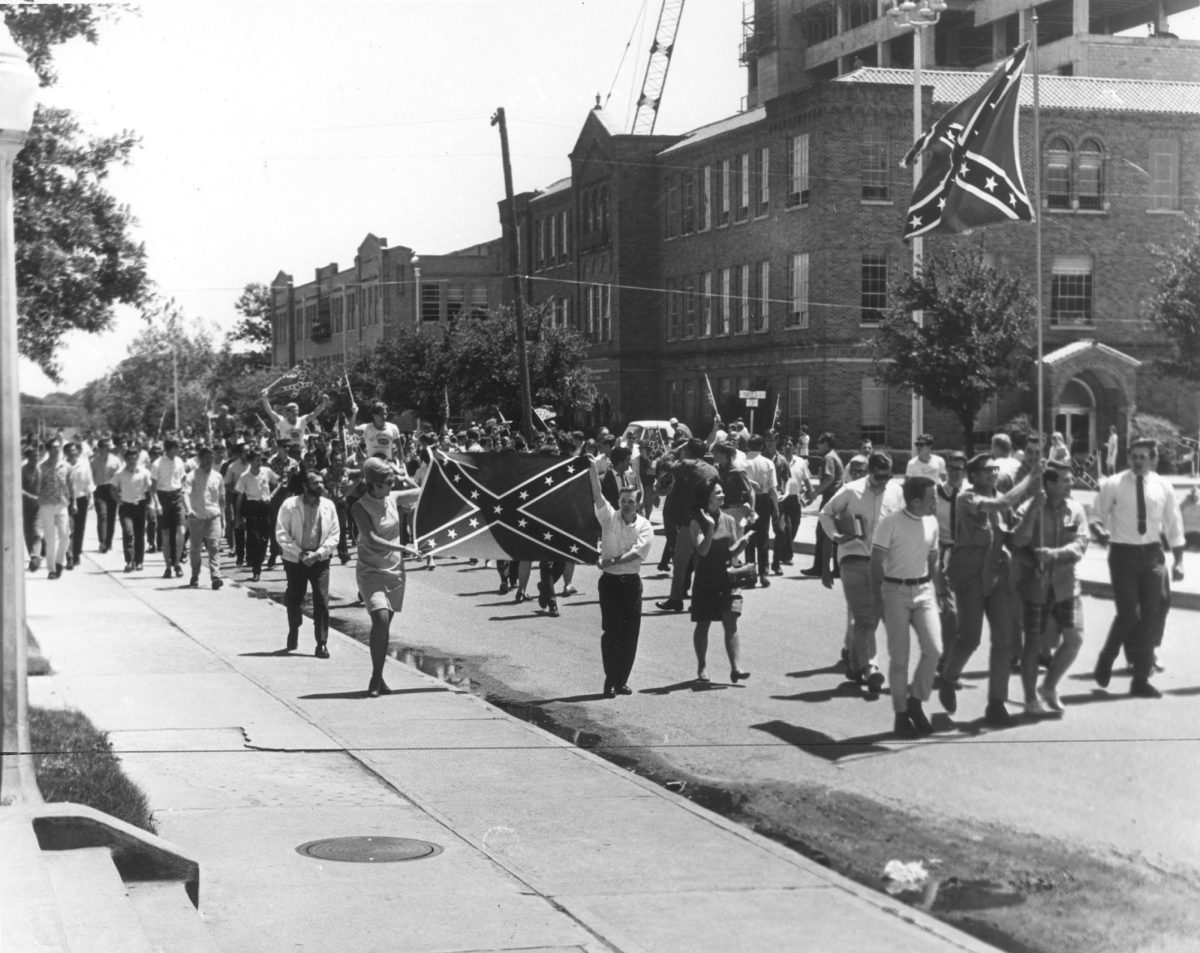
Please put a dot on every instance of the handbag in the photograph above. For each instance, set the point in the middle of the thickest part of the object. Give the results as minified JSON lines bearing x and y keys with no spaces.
{"x":744,"y":576}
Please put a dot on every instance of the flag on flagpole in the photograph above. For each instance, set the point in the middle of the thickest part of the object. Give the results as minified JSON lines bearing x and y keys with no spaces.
{"x":972,"y":175}
{"x":508,"y":506}
{"x":711,"y":399}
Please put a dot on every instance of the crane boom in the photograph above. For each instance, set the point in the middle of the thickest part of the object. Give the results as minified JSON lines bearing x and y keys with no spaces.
{"x":657,"y":66}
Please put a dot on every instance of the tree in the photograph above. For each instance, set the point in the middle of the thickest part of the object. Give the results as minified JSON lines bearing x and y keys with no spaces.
{"x":253,"y":332}
{"x":1176,"y":306}
{"x":75,"y":258}
{"x":973,"y":342}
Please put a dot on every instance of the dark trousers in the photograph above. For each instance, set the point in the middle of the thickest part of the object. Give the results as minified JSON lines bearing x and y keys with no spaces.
{"x":78,"y":525}
{"x":133,"y":531}
{"x":760,"y":542}
{"x":621,"y":620}
{"x":549,"y":572}
{"x":257,"y":531}
{"x":280,"y":495}
{"x":170,"y":521}
{"x":32,"y":525}
{"x":824,"y":550}
{"x":235,"y":536}
{"x":343,"y":515}
{"x":787,"y":528}
{"x":105,"y":498}
{"x":299,"y":578}
{"x":1139,"y":591}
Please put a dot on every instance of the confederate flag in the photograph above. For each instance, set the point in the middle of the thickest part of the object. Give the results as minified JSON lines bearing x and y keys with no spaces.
{"x":508,"y":506}
{"x":972,"y":176}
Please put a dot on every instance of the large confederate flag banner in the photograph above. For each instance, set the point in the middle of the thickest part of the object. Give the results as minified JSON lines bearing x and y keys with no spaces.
{"x":508,"y":506}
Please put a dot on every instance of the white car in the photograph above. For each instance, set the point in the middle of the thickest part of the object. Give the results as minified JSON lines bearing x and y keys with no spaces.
{"x":649,"y":433}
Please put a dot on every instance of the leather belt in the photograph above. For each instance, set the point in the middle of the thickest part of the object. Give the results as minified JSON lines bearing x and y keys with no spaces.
{"x":907,"y":582}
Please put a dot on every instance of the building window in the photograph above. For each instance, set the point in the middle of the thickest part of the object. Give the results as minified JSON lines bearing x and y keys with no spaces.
{"x":564,"y":231}
{"x":706,"y":304}
{"x":726,"y":294}
{"x":1058,"y":173}
{"x":689,"y":307}
{"x":762,"y":319}
{"x":456,"y":299}
{"x":688,"y":188}
{"x":480,"y":305}
{"x":335,"y":310}
{"x":672,"y":207}
{"x":873,"y":296}
{"x":599,"y":315}
{"x":539,"y":244}
{"x":798,"y":179}
{"x":743,"y":189}
{"x":1071,"y":290}
{"x":743,"y":298}
{"x":351,"y":311}
{"x":874,"y":170}
{"x":706,"y":186}
{"x":797,"y":316}
{"x":1164,"y":174}
{"x":1089,"y":178}
{"x":797,"y":401}
{"x":552,"y":240}
{"x":689,"y":400}
{"x":724,"y":394}
{"x":431,"y":302}
{"x":725,"y":184}
{"x":874,"y":411}
{"x":763,"y":166}
{"x":672,"y":296}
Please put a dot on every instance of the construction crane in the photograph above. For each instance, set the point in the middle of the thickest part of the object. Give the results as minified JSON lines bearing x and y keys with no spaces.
{"x":657,"y":66}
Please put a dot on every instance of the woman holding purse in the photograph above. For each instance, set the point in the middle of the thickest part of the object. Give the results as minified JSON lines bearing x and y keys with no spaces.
{"x":714,"y":598}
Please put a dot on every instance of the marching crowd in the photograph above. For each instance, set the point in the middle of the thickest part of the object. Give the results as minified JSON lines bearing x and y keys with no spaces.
{"x":955,"y":543}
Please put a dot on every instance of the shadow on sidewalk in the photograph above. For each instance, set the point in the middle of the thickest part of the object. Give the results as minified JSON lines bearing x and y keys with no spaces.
{"x":322,"y":696}
{"x":825,"y":746}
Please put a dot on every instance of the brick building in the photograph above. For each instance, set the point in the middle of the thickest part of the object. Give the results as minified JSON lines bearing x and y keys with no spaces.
{"x":341,"y":310}
{"x":758,"y":250}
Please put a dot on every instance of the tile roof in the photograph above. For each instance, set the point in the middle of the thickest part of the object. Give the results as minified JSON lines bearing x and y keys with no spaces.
{"x":1057,"y":92}
{"x":717,"y":128}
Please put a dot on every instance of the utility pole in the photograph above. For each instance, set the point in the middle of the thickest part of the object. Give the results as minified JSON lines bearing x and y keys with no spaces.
{"x":514,"y":269}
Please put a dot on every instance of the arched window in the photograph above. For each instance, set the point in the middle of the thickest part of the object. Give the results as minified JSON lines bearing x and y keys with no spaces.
{"x":1058,"y":173}
{"x":1089,"y":175}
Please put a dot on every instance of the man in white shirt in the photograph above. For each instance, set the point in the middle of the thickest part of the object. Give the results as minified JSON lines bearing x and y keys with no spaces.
{"x":204,"y":507}
{"x":625,"y":538}
{"x":760,"y":471}
{"x":849,"y":519}
{"x":307,"y":531}
{"x":292,"y":424}
{"x":926,"y":463}
{"x":166,"y":479}
{"x":378,"y":436}
{"x":81,"y":474}
{"x":904,"y":567}
{"x":796,"y":492}
{"x":1134,"y":512}
{"x":133,"y":490}
{"x":1002,"y":454}
{"x":105,"y":464}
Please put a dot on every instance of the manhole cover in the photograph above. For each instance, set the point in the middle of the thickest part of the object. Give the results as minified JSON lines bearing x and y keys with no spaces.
{"x":369,"y":850}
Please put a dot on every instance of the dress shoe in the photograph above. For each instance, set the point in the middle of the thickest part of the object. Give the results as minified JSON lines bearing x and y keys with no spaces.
{"x":996,"y":714}
{"x":217,"y":583}
{"x":610,"y":692}
{"x":1051,"y":699}
{"x":811,"y":572}
{"x":137,"y":566}
{"x":255,"y":576}
{"x":543,"y":597}
{"x":1141,"y":688}
{"x":503,"y":590}
{"x":669,"y":605}
{"x":373,"y":689}
{"x":129,"y":567}
{"x":35,"y":563}
{"x":735,"y":676}
{"x":776,"y":571}
{"x":194,"y":582}
{"x":916,"y":715}
{"x":874,"y":680}
{"x":764,"y":581}
{"x":948,"y":697}
{"x":624,"y":690}
{"x":178,"y":571}
{"x":664,"y":567}
{"x":322,"y":650}
{"x":54,"y":574}
{"x":553,"y":609}
{"x":270,"y":564}
{"x":903,"y":727}
{"x":167,"y":573}
{"x":1103,"y":672}
{"x":58,"y":570}
{"x":293,"y":641}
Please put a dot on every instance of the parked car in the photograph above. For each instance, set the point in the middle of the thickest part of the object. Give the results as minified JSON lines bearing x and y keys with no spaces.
{"x":649,"y":433}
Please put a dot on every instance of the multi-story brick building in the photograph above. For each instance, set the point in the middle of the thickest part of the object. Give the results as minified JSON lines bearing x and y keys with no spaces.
{"x":758,"y":251}
{"x":342,"y":310}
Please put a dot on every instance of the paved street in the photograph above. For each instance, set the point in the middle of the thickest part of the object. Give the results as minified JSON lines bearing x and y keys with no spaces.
{"x":1088,"y":778}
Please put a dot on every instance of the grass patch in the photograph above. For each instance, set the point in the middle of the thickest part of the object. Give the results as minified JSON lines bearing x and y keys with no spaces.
{"x":74,"y":762}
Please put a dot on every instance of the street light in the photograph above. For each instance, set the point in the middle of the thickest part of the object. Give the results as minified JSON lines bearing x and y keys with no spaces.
{"x":18,"y":784}
{"x":908,"y":13}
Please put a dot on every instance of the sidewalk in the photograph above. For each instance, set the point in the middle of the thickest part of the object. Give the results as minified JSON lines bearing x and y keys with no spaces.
{"x":246,"y":754}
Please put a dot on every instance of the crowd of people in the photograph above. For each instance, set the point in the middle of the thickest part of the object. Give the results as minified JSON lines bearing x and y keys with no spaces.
{"x":955,"y":543}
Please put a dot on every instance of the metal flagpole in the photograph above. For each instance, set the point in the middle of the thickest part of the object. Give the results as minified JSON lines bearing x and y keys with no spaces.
{"x":1037,"y":219}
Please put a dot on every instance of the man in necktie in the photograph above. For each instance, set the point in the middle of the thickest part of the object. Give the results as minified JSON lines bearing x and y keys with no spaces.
{"x":1135,"y":511}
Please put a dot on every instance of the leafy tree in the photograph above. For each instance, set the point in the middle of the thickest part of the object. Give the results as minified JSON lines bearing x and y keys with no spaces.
{"x":75,"y":258}
{"x":408,"y":371}
{"x":253,"y":331}
{"x":973,"y":341}
{"x":1176,"y":306}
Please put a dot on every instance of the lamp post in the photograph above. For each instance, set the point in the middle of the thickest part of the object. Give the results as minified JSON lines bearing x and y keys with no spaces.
{"x":908,"y":13}
{"x":18,"y":785}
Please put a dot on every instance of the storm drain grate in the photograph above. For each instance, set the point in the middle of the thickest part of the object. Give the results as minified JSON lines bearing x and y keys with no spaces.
{"x":369,"y":850}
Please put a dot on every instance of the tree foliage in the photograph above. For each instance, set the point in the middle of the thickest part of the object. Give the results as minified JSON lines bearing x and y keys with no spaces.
{"x":75,"y":257}
{"x":253,"y":331}
{"x":974,"y":339}
{"x":1175,"y":307}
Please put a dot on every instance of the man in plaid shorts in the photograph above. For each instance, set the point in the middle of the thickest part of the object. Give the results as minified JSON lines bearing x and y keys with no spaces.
{"x":1049,"y":541}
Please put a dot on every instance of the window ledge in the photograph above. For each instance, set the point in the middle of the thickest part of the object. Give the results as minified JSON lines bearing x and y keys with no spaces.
{"x":876,"y":202}
{"x":1164,"y":211}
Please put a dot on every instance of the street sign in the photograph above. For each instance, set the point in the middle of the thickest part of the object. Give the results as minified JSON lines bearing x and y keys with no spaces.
{"x":751,"y":401}
{"x":752,"y":395}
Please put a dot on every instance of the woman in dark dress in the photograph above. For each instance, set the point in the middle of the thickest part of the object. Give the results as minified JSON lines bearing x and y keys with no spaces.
{"x":715,"y":537}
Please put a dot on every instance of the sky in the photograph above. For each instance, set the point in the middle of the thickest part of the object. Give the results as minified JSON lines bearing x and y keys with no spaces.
{"x":276,"y":135}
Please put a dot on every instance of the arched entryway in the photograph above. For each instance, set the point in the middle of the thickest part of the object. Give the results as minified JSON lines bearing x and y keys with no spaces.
{"x":1076,"y":417}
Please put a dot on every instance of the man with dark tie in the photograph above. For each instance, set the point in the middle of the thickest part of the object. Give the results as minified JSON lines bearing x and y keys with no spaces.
{"x":1134,"y":512}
